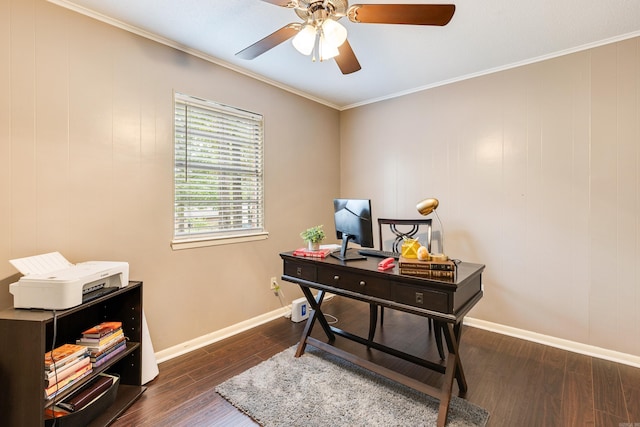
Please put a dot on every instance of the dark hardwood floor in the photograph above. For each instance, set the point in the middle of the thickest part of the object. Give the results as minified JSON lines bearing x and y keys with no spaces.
{"x":519,"y":382}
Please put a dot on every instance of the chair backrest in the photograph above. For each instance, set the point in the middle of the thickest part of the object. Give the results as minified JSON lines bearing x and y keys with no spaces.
{"x":394,"y":231}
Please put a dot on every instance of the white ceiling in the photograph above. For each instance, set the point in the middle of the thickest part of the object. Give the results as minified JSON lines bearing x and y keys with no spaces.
{"x":483,"y":36}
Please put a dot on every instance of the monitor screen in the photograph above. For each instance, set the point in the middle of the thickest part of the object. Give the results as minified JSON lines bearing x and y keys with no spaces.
{"x":353,"y":223}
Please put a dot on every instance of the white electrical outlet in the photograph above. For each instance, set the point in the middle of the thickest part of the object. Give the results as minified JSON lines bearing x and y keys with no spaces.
{"x":273,"y":284}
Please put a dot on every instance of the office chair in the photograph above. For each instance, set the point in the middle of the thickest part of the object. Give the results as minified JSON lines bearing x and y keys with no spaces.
{"x":398,"y":230}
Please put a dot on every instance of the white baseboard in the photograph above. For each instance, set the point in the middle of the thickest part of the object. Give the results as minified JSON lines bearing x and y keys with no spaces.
{"x":204,"y":340}
{"x":196,"y":343}
{"x":576,"y":347}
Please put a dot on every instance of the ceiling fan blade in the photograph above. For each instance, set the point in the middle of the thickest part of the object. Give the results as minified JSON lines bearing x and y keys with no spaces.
{"x":269,"y":42}
{"x":347,"y":60}
{"x":412,"y":14}
{"x":283,"y":3}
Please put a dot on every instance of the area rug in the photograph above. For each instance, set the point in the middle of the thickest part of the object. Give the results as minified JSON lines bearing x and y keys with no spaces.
{"x":320,"y":389}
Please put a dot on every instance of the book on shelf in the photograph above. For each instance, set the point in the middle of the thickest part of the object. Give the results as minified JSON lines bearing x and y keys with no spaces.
{"x":64,"y":384}
{"x":97,"y":351}
{"x":104,"y":338}
{"x":101,"y":342}
{"x":49,"y":373}
{"x":50,"y":377}
{"x":87,"y":394}
{"x":416,"y":264}
{"x":100,"y":359}
{"x":104,"y":328}
{"x":62,"y":355}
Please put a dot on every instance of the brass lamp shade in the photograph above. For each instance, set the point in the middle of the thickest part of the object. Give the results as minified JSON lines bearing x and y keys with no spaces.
{"x":426,"y":206}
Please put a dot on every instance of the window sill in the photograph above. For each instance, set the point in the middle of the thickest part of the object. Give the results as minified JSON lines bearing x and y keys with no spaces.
{"x":216,"y":241}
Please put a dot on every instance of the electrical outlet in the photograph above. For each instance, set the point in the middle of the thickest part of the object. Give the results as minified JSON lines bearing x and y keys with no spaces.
{"x":275,"y":287}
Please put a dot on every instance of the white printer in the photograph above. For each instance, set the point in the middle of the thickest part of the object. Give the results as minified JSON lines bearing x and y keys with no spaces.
{"x":53,"y":283}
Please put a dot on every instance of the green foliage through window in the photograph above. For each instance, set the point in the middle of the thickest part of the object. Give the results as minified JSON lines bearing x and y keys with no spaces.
{"x":218,"y":170}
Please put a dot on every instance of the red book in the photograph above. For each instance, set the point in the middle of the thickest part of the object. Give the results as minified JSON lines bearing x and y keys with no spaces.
{"x":320,"y":253}
{"x":102,"y":329}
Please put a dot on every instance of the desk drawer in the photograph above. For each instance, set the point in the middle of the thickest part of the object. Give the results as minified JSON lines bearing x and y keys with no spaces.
{"x":421,"y":297}
{"x":300,"y":270}
{"x":367,"y":285}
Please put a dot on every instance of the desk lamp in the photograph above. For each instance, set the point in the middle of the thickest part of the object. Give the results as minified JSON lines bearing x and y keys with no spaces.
{"x":426,"y":207}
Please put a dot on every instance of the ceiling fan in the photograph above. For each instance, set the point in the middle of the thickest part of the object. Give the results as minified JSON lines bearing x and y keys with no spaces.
{"x":322,"y":36}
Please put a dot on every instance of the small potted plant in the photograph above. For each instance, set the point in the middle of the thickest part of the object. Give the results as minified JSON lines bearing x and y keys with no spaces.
{"x":313,"y":236}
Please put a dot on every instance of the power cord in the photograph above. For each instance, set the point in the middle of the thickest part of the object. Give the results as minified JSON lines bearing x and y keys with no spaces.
{"x":331,"y":322}
{"x":55,"y":368}
{"x":277,"y":291}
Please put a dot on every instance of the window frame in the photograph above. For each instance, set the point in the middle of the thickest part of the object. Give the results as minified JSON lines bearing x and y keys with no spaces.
{"x":218,"y":236}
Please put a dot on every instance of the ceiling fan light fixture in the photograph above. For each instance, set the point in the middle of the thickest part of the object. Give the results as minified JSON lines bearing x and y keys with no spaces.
{"x":320,"y":35}
{"x":327,"y":49}
{"x":334,"y":32}
{"x":305,"y":39}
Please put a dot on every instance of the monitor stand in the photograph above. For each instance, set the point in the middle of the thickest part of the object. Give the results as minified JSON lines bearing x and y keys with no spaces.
{"x":347,"y":254}
{"x":351,"y":255}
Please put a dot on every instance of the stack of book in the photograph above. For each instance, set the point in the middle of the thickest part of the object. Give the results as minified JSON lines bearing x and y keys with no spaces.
{"x":442,"y":270}
{"x":103,"y":342}
{"x":320,"y":253}
{"x":63,"y":367}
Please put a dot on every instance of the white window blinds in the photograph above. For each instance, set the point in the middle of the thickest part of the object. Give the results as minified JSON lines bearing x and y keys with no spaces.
{"x":218,"y":170}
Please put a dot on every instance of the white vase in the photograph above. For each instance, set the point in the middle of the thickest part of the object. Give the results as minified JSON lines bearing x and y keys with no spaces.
{"x":313,"y":246}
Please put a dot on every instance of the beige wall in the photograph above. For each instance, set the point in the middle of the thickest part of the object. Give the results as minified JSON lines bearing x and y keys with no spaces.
{"x":538,"y":172}
{"x":86,"y":166}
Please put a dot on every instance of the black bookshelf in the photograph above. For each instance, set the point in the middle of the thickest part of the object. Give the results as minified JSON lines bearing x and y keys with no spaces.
{"x":26,"y":335}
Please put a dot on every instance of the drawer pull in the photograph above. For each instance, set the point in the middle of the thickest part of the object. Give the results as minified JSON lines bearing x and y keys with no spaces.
{"x":362,"y":283}
{"x":336,"y":278}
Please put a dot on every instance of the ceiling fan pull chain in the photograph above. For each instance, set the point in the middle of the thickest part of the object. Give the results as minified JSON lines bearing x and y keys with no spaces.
{"x":316,"y":47}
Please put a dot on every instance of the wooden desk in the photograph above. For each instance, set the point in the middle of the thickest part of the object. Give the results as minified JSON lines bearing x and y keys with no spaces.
{"x":444,"y":301}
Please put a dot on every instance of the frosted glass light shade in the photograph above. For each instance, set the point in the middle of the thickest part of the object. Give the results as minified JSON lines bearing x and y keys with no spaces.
{"x":327,"y":49}
{"x":334,"y":33}
{"x":305,"y":39}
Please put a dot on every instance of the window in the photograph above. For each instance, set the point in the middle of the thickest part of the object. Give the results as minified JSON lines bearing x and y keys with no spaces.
{"x":218,"y":173}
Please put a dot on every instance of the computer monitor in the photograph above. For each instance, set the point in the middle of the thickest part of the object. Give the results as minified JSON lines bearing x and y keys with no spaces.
{"x":353,"y":223}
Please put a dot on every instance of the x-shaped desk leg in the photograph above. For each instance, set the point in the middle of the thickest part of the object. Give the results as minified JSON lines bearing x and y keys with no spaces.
{"x":453,"y":370}
{"x":316,"y":313}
